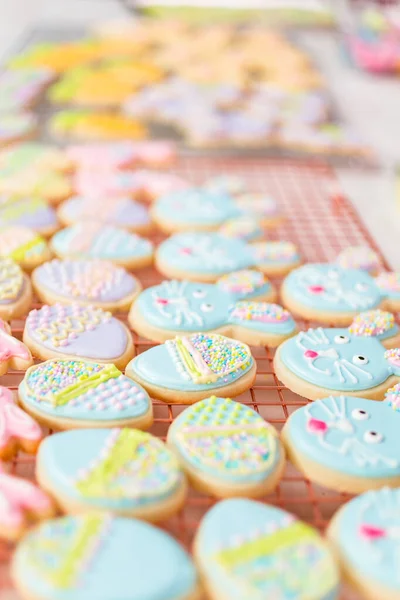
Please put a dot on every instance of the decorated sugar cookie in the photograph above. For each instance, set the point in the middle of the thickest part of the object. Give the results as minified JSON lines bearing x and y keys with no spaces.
{"x":35,"y":213}
{"x":182,"y":307}
{"x":246,"y":229}
{"x":70,"y":394}
{"x":360,"y":257}
{"x":142,"y":184}
{"x":21,"y":503}
{"x":16,"y":127}
{"x":206,"y":256}
{"x":245,"y":549}
{"x":227,"y":449}
{"x":98,"y":556}
{"x":122,"y":155}
{"x":17,"y":429}
{"x":364,"y":534}
{"x":95,"y":282}
{"x":345,"y":443}
{"x":389,"y":286}
{"x":124,"y":471}
{"x":21,"y":88}
{"x":121,"y":212}
{"x":33,"y":156}
{"x":225,"y":184}
{"x":39,"y":183}
{"x":15,"y":290}
{"x":354,"y":361}
{"x":197,"y":209}
{"x":331,"y":294}
{"x":13,"y":353}
{"x":88,"y":240}
{"x":191,"y":368}
{"x":24,"y":246}
{"x":75,"y":331}
{"x":57,"y":56}
{"x":100,"y":125}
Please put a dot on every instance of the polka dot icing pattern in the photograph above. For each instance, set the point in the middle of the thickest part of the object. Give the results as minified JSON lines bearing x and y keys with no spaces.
{"x":77,"y":330}
{"x":355,"y":436}
{"x":338,"y":360}
{"x":93,"y":240}
{"x":11,"y":281}
{"x":374,"y":322}
{"x":115,"y":469}
{"x":122,"y":212}
{"x":85,"y":279}
{"x":20,"y":243}
{"x":251,"y":550}
{"x":96,"y":556}
{"x":75,"y":389}
{"x":225,"y":439}
{"x":28,"y":212}
{"x":359,"y":257}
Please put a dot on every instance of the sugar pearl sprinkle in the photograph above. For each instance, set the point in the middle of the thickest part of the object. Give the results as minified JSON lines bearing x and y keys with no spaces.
{"x":259,"y":311}
{"x":393,"y":356}
{"x":359,"y":257}
{"x":392,"y":397}
{"x":275,"y":251}
{"x":242,"y":282}
{"x":372,"y":322}
{"x":389,"y":281}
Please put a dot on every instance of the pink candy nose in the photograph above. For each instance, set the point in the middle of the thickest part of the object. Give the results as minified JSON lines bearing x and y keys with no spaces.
{"x":162,"y":301}
{"x":371,"y":532}
{"x":310,"y":354}
{"x":317,"y":426}
{"x":316,"y":289}
{"x":186,"y":250}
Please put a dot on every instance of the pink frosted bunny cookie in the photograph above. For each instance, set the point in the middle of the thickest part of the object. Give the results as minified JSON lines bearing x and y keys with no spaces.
{"x":13,"y":353}
{"x":17,"y":429}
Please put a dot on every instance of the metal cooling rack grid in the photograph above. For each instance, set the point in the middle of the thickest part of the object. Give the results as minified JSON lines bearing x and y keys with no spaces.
{"x":321,"y":222}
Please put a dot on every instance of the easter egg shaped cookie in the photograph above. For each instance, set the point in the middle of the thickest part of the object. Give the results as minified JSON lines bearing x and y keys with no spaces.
{"x":124,"y":471}
{"x":87,"y":282}
{"x":190,"y":368}
{"x":15,"y":290}
{"x":227,"y":449}
{"x":23,"y":246}
{"x":96,"y":556}
{"x":245,"y":549}
{"x":73,"y":394}
{"x":35,"y":213}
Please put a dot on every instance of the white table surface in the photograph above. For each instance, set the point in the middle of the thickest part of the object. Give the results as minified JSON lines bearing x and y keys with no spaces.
{"x":371,"y":104}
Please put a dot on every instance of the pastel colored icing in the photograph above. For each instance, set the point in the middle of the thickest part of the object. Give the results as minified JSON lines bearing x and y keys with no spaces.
{"x":20,"y":87}
{"x":12,"y":282}
{"x":188,"y":306}
{"x":93,"y":280}
{"x":93,"y":240}
{"x":212,"y":253}
{"x":389,"y":284}
{"x":14,"y":125}
{"x":194,"y":363}
{"x":242,"y":228}
{"x":119,"y":154}
{"x":113,"y":469}
{"x":359,"y":257}
{"x":366,"y":534}
{"x":251,"y":550}
{"x":374,"y":323}
{"x":226,"y":440}
{"x":338,"y":360}
{"x":31,"y":155}
{"x":14,"y":422}
{"x":82,"y":390}
{"x":21,"y":243}
{"x":83,"y":331}
{"x":245,"y":284}
{"x":122,"y":212}
{"x":327,"y":287}
{"x":97,"y":556}
{"x":350,"y":435}
{"x":10,"y":347}
{"x":29,"y":212}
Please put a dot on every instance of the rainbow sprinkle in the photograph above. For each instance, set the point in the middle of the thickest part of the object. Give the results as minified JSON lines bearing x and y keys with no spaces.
{"x":243,"y":282}
{"x":372,"y":322}
{"x":259,"y":311}
{"x":275,"y":251}
{"x":359,"y":257}
{"x":392,"y":397}
{"x":393,"y":356}
{"x":388,"y":282}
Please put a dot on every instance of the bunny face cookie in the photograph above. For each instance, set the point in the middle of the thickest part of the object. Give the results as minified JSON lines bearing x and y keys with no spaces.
{"x":354,"y":361}
{"x":191,"y":368}
{"x":207,"y":256}
{"x":75,"y":331}
{"x":182,"y":307}
{"x":73,"y":394}
{"x":331,"y":294}
{"x":345,"y":443}
{"x":95,"y":282}
{"x":364,"y":535}
{"x":96,"y":240}
{"x":15,"y":290}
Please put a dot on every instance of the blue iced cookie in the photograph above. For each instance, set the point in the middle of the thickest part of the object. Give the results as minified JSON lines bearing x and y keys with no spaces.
{"x":75,"y":331}
{"x":207,"y":256}
{"x":245,"y":549}
{"x":191,"y":368}
{"x":69,"y":394}
{"x":345,"y":443}
{"x":183,"y":307}
{"x":98,"y":557}
{"x":365,"y":536}
{"x":97,"y":240}
{"x":227,"y":449}
{"x":124,"y":471}
{"x":353,"y":361}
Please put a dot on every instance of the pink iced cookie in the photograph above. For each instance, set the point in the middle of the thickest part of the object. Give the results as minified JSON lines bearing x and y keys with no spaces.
{"x":17,"y":428}
{"x":122,"y":155}
{"x":13,"y":353}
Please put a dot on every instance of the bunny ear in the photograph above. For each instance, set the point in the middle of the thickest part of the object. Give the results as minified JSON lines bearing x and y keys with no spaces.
{"x":275,"y":257}
{"x":374,"y":323}
{"x":270,"y":322}
{"x":245,"y":284}
{"x":389,"y":285}
{"x":393,"y":358}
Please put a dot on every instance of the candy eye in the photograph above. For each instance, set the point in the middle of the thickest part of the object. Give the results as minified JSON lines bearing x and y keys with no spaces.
{"x":361,"y":287}
{"x":341,"y":339}
{"x":373,"y":437}
{"x":358,"y":359}
{"x":332,"y":274}
{"x":205,"y":307}
{"x":359,"y":414}
{"x":199,"y":293}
